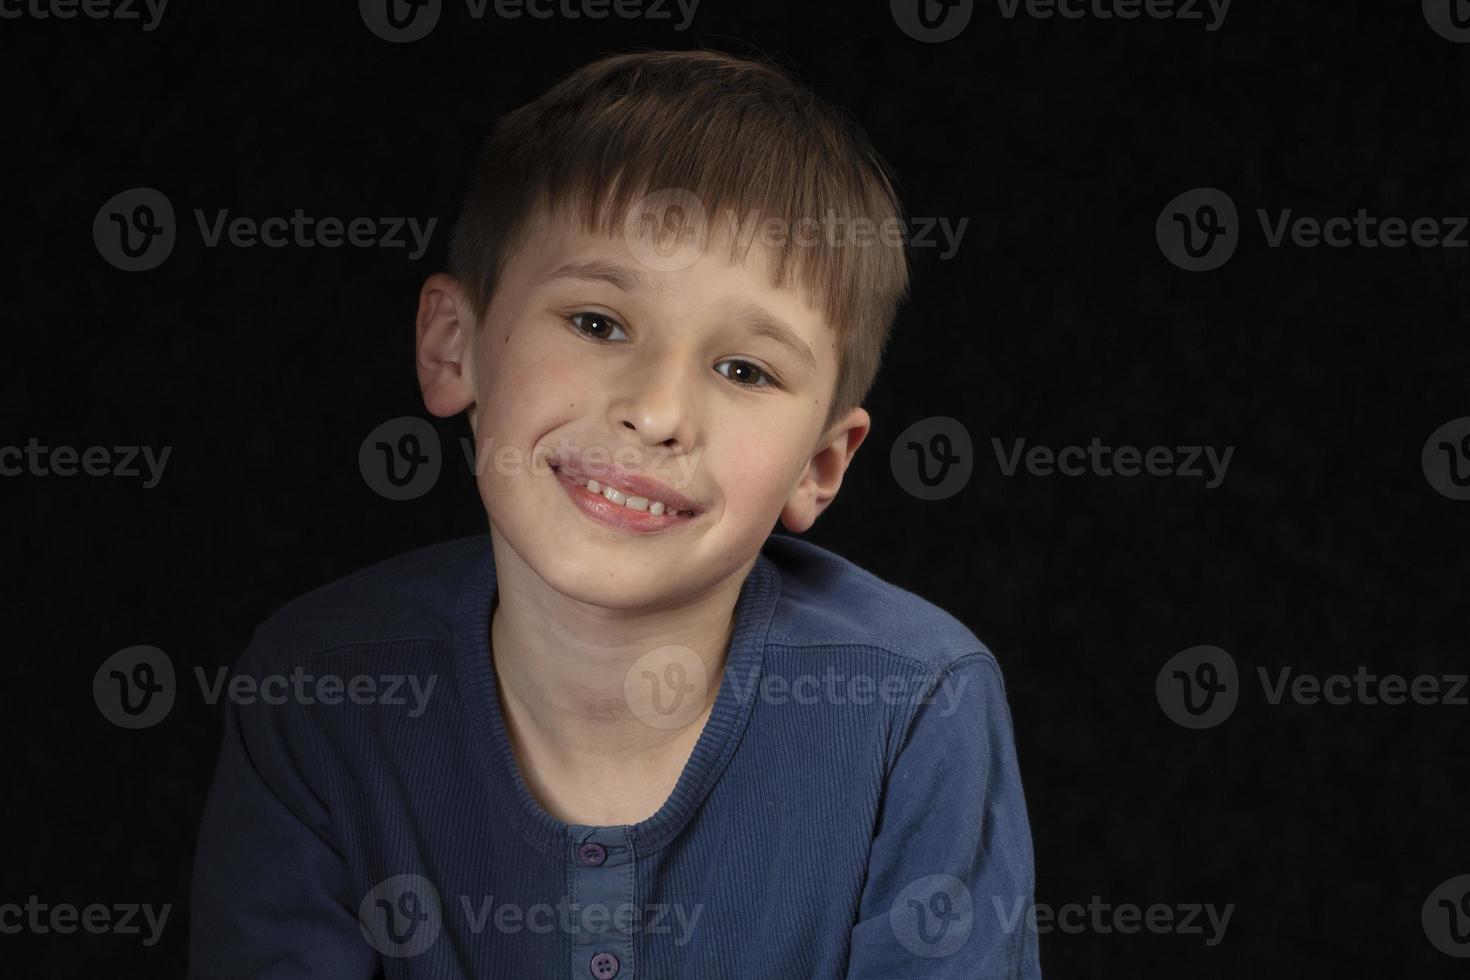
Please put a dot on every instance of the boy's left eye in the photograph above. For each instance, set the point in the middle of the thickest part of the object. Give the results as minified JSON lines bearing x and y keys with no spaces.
{"x":601,"y":327}
{"x":751,"y":372}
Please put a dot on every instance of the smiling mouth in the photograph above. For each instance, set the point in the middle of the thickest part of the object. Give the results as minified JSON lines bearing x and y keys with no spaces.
{"x":623,"y":486}
{"x":625,"y":498}
{"x":617,"y":507}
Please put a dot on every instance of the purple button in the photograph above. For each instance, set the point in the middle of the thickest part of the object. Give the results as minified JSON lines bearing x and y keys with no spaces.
{"x":593,"y":854}
{"x":605,"y":966}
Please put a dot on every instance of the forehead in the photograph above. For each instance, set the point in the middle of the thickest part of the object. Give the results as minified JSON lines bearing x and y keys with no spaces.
{"x":658,"y":247}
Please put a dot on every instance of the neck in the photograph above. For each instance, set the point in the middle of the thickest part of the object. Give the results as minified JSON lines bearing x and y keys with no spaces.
{"x":566,"y":669}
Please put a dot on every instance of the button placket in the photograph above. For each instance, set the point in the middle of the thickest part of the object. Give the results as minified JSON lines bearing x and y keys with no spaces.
{"x":601,"y":870}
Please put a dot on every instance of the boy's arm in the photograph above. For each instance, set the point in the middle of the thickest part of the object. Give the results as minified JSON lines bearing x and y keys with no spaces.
{"x":950,"y":877}
{"x":272,"y":897}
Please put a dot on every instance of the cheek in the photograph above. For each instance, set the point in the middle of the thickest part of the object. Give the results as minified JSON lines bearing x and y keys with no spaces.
{"x":758,"y":485}
{"x":528,"y":386}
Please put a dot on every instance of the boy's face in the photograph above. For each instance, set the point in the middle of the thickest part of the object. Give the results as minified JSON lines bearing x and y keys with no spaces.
{"x":667,"y":373}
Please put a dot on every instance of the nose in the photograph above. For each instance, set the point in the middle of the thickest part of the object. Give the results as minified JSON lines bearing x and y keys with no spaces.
{"x":654,"y":403}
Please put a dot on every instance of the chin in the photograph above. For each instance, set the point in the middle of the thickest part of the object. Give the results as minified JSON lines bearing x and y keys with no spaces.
{"x":596,"y":586}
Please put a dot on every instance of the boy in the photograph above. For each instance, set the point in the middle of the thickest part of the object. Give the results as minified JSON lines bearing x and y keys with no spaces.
{"x":657,"y":741}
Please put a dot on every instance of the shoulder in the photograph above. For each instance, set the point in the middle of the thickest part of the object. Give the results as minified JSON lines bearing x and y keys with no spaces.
{"x":404,"y":599}
{"x":827,"y":600}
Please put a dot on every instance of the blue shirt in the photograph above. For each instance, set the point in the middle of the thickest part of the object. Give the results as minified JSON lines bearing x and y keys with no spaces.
{"x":852,"y":808}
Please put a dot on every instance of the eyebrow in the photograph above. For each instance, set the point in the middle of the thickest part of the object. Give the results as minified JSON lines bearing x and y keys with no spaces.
{"x":762,"y":324}
{"x":756,"y":320}
{"x":598,"y":271}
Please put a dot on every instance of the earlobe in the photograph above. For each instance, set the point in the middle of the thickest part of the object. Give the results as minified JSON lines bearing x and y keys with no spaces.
{"x":443,"y":352}
{"x":823,"y":477}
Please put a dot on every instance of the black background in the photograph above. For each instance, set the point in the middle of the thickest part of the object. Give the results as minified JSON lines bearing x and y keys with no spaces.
{"x":1325,"y":548}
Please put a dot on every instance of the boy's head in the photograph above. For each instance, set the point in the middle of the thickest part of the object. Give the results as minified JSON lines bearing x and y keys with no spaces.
{"x":680,"y":265}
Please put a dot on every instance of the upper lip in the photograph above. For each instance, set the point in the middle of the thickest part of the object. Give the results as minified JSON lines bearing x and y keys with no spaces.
{"x":622,"y":478}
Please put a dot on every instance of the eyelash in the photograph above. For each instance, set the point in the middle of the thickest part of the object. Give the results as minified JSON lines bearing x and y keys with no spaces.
{"x":770,"y":379}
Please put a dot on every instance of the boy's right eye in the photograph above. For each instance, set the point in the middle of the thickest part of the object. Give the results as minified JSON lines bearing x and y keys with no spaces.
{"x":597,"y":326}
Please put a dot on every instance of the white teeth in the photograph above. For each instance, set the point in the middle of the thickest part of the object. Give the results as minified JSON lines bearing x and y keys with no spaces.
{"x":655,"y":507}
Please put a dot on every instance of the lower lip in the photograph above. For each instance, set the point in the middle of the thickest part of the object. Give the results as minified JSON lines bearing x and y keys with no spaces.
{"x":607,"y":513}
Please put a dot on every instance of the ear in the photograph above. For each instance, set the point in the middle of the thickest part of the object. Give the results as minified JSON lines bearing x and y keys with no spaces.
{"x":443,"y":352}
{"x":818,"y":486}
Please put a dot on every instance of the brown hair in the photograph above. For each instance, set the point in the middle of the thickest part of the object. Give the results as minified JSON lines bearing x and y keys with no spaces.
{"x":742,"y":137}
